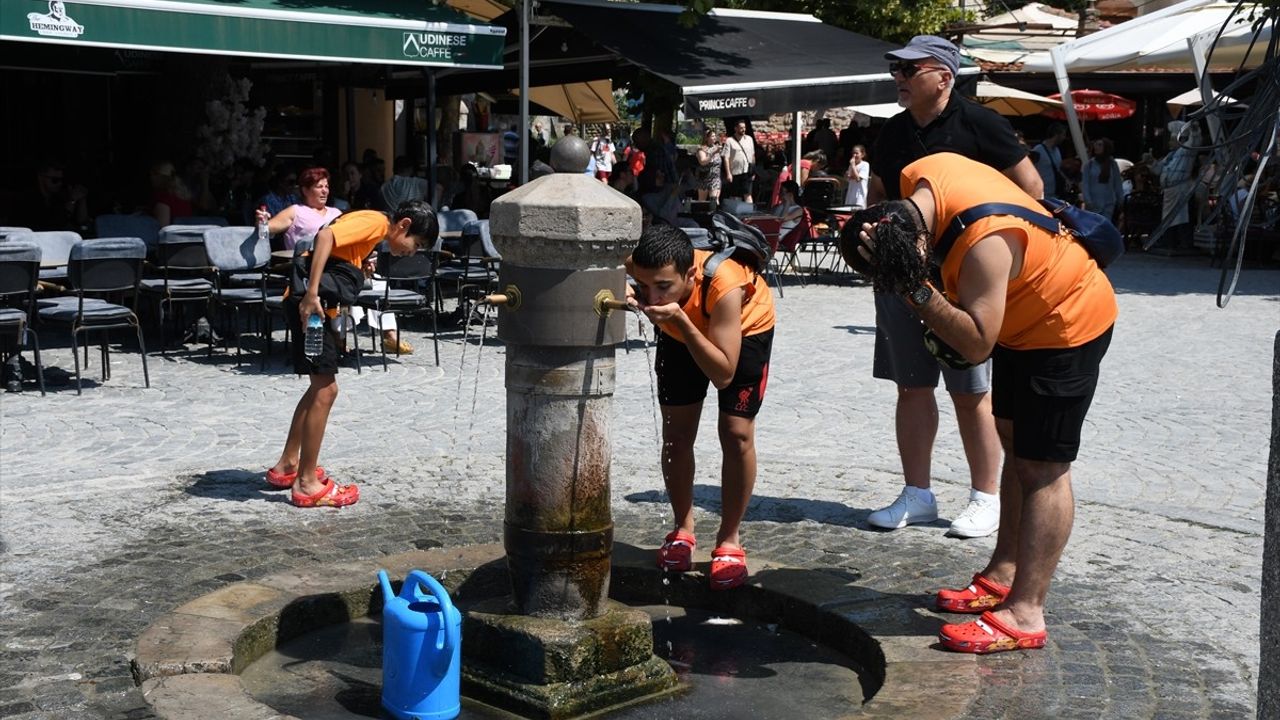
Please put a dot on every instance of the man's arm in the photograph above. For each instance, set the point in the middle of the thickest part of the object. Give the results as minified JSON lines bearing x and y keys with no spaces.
{"x":715,"y":353}
{"x":320,"y":251}
{"x":973,"y":325}
{"x":1024,"y":173}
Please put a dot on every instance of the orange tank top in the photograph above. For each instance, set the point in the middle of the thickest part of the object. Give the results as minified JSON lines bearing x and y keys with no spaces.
{"x":757,"y":304}
{"x":1060,"y":298}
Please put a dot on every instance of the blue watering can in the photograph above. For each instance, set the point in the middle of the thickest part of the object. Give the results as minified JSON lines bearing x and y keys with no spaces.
{"x":421,"y":650}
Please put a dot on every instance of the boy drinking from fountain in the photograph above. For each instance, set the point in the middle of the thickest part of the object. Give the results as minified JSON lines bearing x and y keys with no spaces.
{"x":724,"y":337}
{"x":349,"y":239}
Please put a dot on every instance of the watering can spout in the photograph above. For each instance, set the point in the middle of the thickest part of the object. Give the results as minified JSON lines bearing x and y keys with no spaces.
{"x":387,"y":592}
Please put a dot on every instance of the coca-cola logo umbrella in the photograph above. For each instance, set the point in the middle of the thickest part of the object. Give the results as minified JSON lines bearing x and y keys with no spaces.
{"x":1095,"y":105}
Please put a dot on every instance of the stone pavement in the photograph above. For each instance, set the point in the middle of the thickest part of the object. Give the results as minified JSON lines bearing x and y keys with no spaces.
{"x":117,"y":506}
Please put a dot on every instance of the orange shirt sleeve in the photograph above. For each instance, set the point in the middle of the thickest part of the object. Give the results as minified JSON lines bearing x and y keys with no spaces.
{"x":356,"y":234}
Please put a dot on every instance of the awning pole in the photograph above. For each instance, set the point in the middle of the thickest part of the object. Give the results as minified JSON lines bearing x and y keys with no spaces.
{"x":350,"y":93}
{"x":1199,"y":46}
{"x":795,"y":149}
{"x":1068,"y":103}
{"x":431,"y":134}
{"x":524,"y":92}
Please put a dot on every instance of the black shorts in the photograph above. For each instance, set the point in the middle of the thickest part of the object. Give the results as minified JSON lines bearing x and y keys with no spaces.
{"x":682,"y":382}
{"x":740,"y":186}
{"x":1046,"y":393}
{"x":327,"y":362}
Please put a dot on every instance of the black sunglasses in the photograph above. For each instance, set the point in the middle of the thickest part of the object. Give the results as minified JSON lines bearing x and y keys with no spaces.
{"x":909,"y":70}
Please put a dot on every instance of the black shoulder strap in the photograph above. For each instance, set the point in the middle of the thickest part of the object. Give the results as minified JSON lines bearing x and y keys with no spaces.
{"x":709,"y":270}
{"x":968,"y":217}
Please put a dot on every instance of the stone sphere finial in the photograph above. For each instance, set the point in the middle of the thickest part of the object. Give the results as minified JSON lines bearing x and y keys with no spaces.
{"x":570,"y":155}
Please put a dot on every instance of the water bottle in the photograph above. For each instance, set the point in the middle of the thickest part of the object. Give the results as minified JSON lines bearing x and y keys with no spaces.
{"x":313,"y":343}
{"x":264,"y":235}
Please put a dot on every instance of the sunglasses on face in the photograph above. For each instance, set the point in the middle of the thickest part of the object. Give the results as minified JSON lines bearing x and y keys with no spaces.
{"x":909,"y":70}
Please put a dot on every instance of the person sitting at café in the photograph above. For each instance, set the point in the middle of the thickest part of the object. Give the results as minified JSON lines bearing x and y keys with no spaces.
{"x":281,"y":191}
{"x":170,"y":197}
{"x":51,"y":204}
{"x":304,"y":219}
{"x":403,"y":186}
{"x":788,"y":208}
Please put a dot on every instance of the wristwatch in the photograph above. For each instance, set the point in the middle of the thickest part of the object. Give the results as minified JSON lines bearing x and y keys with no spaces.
{"x":920,"y":295}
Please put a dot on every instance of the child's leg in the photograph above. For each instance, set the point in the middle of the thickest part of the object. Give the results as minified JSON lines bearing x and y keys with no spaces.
{"x":737,"y":474}
{"x":288,"y":461}
{"x":679,"y":430}
{"x":322,"y":393}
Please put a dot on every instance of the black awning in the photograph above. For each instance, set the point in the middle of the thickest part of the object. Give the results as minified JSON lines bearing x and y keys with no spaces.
{"x":737,"y":62}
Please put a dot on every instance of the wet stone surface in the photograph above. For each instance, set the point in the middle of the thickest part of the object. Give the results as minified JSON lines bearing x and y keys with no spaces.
{"x":120,"y":505}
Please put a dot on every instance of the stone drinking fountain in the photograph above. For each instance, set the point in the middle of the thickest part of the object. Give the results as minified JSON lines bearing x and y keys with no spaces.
{"x":545,"y":631}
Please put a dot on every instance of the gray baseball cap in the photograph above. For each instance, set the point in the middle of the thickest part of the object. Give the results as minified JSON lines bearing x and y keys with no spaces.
{"x":929,"y":46}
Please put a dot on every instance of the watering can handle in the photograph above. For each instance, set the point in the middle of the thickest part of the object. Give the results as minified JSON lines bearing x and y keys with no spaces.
{"x":446,"y":608}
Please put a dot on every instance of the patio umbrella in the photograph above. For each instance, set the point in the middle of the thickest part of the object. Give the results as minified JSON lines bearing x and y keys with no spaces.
{"x":1191,"y":98}
{"x":583,"y":102}
{"x":1011,"y":101}
{"x":1095,"y":105}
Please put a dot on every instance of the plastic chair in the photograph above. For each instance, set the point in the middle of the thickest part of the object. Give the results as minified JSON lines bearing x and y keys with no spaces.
{"x":419,"y":267}
{"x":206,"y":220}
{"x":105,"y":266}
{"x":55,"y":251}
{"x":471,"y":259}
{"x":5,"y":232}
{"x":238,"y":254}
{"x":19,"y":274}
{"x":185,"y":274}
{"x":139,"y":226}
{"x":771,"y":226}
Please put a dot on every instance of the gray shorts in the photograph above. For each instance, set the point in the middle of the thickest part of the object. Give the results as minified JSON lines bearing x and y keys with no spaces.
{"x":902,"y":357}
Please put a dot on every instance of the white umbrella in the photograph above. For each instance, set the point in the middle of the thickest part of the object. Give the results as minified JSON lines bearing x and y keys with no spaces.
{"x":1191,"y":98}
{"x":1011,"y":101}
{"x":882,"y":111}
{"x":581,"y":102}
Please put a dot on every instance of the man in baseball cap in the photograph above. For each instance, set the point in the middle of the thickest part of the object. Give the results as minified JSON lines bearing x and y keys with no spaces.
{"x":922,"y":47}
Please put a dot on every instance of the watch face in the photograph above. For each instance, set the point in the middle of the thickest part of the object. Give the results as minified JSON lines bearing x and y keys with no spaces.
{"x":921,"y":295}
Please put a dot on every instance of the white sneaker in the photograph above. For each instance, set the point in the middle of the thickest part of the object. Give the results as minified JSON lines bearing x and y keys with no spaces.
{"x":912,"y":506}
{"x":980,"y":517}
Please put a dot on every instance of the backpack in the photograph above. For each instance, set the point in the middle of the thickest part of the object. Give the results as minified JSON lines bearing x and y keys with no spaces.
{"x":1096,"y":233}
{"x":729,"y":237}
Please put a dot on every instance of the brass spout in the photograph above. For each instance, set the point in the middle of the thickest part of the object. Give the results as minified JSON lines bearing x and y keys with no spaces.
{"x":606,"y":303}
{"x":509,"y":298}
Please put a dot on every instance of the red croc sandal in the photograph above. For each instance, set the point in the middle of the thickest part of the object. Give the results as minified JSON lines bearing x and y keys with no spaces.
{"x":676,"y":553}
{"x":285,"y":480}
{"x":331,"y":495}
{"x":988,"y":635}
{"x":728,"y":567}
{"x":980,"y":596}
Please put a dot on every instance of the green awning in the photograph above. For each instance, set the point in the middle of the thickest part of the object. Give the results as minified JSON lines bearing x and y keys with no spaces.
{"x":396,"y":32}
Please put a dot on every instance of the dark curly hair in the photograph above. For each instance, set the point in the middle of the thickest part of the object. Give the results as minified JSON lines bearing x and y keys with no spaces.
{"x":897,"y":264}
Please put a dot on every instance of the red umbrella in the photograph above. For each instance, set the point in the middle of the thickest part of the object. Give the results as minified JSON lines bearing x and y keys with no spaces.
{"x":1095,"y":105}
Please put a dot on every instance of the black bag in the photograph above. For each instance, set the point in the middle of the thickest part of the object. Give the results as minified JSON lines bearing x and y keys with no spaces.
{"x":340,"y":283}
{"x":729,"y":237}
{"x":1096,"y":233}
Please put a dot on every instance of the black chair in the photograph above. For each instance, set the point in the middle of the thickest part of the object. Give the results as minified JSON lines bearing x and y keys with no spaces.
{"x":55,"y":248}
{"x":241,"y":280}
{"x":185,"y":275}
{"x":1142,"y":214}
{"x":107,"y":267}
{"x":19,"y":274}
{"x":470,"y":259}
{"x":418,"y":269}
{"x":136,"y":225}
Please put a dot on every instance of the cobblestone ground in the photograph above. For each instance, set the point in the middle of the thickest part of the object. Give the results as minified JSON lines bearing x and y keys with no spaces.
{"x":123,"y":503}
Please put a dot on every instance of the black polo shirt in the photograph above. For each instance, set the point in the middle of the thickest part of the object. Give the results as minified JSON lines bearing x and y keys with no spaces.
{"x":964,"y":127}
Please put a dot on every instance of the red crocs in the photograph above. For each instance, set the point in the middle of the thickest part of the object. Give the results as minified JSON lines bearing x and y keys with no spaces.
{"x":285,"y":480}
{"x":981,"y":596}
{"x":988,"y":635}
{"x":728,"y":567}
{"x":331,"y":495}
{"x":676,"y":553}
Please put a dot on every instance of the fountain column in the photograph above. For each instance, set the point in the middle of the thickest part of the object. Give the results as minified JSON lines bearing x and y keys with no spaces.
{"x":558,"y":647}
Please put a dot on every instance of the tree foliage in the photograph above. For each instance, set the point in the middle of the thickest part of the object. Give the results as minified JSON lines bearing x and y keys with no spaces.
{"x":890,"y":20}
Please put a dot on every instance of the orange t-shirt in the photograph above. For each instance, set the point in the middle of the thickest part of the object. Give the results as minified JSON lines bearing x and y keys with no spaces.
{"x":1060,"y":299}
{"x":757,"y":304}
{"x":356,"y":234}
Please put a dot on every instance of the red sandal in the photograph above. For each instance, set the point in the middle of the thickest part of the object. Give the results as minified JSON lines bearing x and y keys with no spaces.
{"x":285,"y":480}
{"x":331,"y":495}
{"x":982,"y":595}
{"x":676,"y":553}
{"x":988,"y":635}
{"x":728,"y":567}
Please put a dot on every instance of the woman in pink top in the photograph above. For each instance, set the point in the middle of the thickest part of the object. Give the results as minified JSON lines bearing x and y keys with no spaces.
{"x":304,"y":219}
